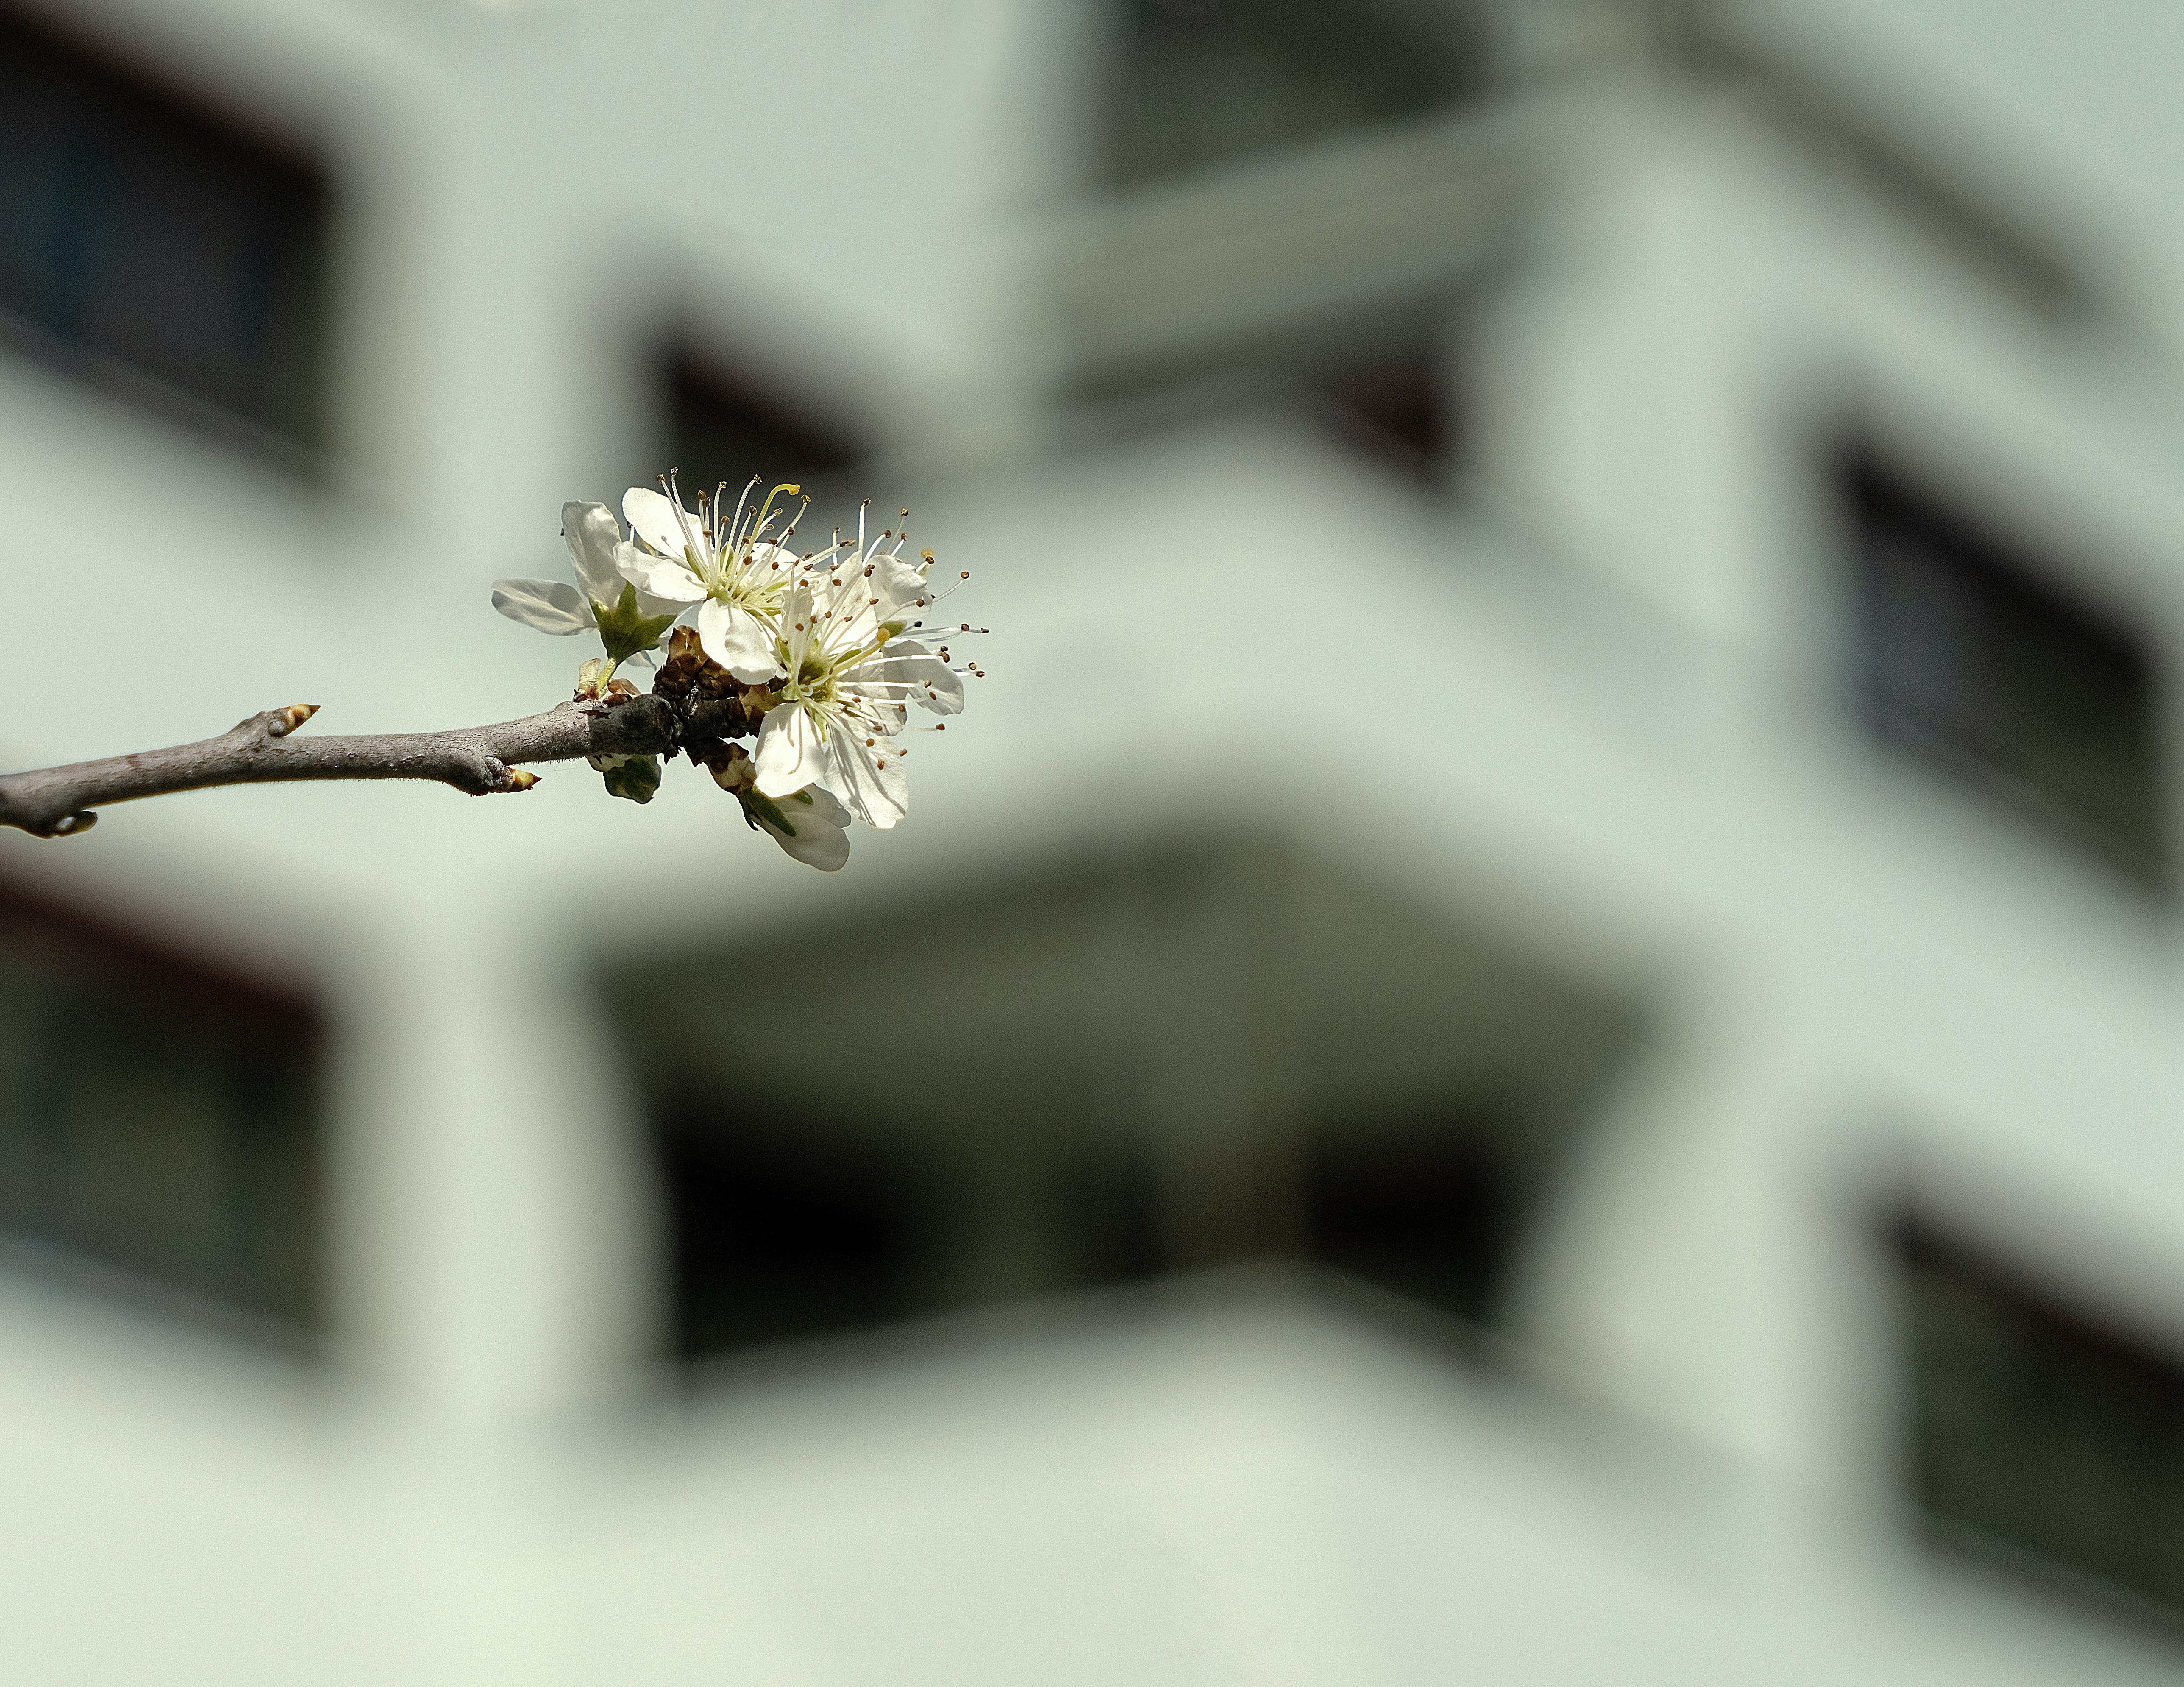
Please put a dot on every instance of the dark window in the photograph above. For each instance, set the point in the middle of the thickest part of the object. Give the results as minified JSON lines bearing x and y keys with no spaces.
{"x":785,"y":1224}
{"x":2043,"y":1439}
{"x":152,"y":242}
{"x":1189,"y":1057}
{"x":1390,"y":395}
{"x":1196,"y":83}
{"x":1984,"y":663}
{"x":1397,"y":408}
{"x":722,"y":427}
{"x":157,"y":1115}
{"x":1431,"y":1209}
{"x":776,"y":1235}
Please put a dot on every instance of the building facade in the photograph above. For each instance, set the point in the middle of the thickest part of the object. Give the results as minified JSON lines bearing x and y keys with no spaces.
{"x":1529,"y":1033}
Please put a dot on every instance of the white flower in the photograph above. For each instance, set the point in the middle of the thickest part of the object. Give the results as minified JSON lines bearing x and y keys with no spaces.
{"x":732,"y":570}
{"x":810,"y":825}
{"x":848,"y":673}
{"x":628,"y":619}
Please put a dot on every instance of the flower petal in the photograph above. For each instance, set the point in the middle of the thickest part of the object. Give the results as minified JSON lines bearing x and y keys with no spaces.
{"x":652,"y":518}
{"x":668,"y":579}
{"x":737,"y":640}
{"x":637,"y":567}
{"x":817,"y":834}
{"x":789,"y":754}
{"x":907,"y":673}
{"x":876,"y":788}
{"x":900,"y":588}
{"x":550,"y":605}
{"x":593,"y":537}
{"x":767,"y":558}
{"x":828,"y":805}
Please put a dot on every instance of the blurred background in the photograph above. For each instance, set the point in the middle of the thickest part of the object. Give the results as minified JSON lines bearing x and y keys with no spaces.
{"x":1531,"y":1033}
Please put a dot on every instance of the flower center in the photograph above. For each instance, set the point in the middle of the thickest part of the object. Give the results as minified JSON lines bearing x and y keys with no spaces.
{"x":729,"y":583}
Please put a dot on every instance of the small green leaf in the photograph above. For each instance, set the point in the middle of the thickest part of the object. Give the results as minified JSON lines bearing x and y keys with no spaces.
{"x":767,"y":810}
{"x":635,"y":778}
{"x":623,"y":632}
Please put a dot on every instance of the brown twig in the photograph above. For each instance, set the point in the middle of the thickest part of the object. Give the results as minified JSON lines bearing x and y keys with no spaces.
{"x":58,"y":802}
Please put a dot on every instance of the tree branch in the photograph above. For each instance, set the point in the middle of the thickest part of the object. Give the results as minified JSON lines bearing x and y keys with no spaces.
{"x":58,"y":802}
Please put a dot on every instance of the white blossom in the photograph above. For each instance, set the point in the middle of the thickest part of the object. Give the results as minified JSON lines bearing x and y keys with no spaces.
{"x":810,"y":825}
{"x":628,"y":618}
{"x":823,"y":655}
{"x":735,"y":570}
{"x":848,"y":672}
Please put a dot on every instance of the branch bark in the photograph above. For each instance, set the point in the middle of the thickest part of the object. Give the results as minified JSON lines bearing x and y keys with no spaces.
{"x":58,"y":802}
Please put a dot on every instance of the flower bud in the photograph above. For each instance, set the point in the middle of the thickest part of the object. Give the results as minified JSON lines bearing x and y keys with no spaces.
{"x":634,"y":777}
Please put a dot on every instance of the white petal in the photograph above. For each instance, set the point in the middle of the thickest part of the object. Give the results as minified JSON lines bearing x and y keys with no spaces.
{"x":593,"y":537}
{"x":826,"y":804}
{"x":841,"y":616}
{"x":816,"y":838}
{"x":911,"y":675}
{"x":737,"y":640}
{"x":789,"y":756}
{"x":550,"y":605}
{"x":798,"y":627}
{"x":877,"y":789}
{"x":898,"y":586}
{"x":669,"y":580}
{"x":640,"y":568}
{"x":767,"y":558}
{"x":651,"y":517}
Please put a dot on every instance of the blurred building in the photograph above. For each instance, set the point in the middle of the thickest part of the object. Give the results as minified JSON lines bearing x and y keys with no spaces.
{"x":1530,"y":1035}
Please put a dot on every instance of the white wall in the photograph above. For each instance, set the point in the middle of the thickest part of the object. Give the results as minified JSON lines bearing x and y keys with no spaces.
{"x":1592,"y":715}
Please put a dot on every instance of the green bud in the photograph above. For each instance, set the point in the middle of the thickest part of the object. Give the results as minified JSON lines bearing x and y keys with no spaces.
{"x":623,"y":632}
{"x":767,"y":810}
{"x":635,"y":778}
